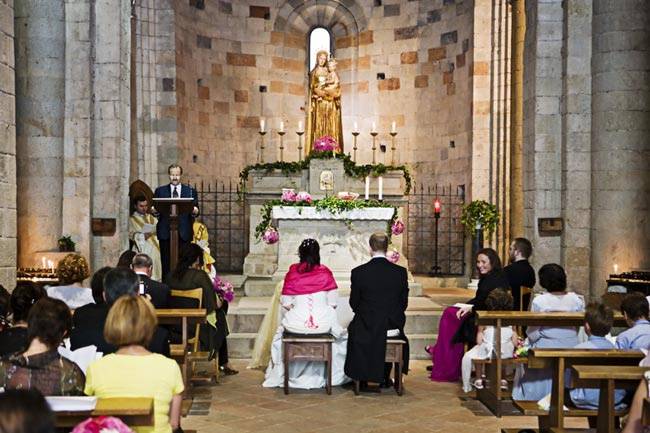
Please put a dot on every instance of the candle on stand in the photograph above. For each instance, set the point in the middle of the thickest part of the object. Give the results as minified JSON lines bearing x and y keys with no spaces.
{"x":262,"y":124}
{"x":367,"y":195}
{"x":281,"y":126}
{"x":44,"y":263}
{"x":615,"y":268}
{"x":381,"y":188}
{"x":374,"y":127}
{"x":300,"y":126}
{"x":393,"y":127}
{"x":356,"y":127}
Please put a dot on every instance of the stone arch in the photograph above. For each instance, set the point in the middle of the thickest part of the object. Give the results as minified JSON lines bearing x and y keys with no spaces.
{"x":341,"y":17}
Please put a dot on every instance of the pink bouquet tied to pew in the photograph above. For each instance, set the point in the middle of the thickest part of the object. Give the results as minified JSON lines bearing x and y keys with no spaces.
{"x":224,"y":289}
{"x":397,"y":228}
{"x":102,"y":424}
{"x":393,"y":256}
{"x":270,"y":235}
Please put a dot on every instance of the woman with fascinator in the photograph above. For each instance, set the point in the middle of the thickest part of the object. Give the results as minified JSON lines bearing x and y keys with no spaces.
{"x":308,"y":303}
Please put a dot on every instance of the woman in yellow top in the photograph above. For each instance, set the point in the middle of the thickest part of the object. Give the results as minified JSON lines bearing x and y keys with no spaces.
{"x":133,"y":371}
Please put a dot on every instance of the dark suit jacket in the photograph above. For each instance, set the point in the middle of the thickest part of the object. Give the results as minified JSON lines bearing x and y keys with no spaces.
{"x":185,"y":220}
{"x":159,"y":292}
{"x":379,"y":298}
{"x":88,"y":328}
{"x":520,"y":274}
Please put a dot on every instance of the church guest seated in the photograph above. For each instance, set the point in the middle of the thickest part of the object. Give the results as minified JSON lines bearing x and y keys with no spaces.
{"x":599,"y":319}
{"x":86,"y":314}
{"x":71,"y":271}
{"x":378,"y":297}
{"x":497,"y":300}
{"x":635,"y":310}
{"x":457,"y":324}
{"x":126,"y":259}
{"x":309,"y":299}
{"x":158,"y":292}
{"x":133,"y":371}
{"x":25,"y":411}
{"x":40,"y":366}
{"x":24,"y":296}
{"x":519,"y":272}
{"x":89,"y":329}
{"x":534,"y":384}
{"x":189,"y":274}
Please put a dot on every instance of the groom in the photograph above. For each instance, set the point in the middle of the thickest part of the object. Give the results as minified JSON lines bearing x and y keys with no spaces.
{"x":378,"y":297}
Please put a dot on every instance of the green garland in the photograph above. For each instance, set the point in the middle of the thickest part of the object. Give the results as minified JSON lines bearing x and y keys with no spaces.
{"x":350,"y":167}
{"x":332,"y":204}
{"x":480,"y":212}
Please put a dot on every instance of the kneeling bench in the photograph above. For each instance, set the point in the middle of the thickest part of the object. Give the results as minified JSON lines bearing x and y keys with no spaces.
{"x":307,"y":347}
{"x":394,"y":355}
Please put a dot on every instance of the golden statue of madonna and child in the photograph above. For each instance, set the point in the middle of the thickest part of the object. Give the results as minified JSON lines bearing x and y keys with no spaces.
{"x":324,"y":111}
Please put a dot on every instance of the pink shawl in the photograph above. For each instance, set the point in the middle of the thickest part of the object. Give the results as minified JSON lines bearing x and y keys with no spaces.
{"x":300,"y":282}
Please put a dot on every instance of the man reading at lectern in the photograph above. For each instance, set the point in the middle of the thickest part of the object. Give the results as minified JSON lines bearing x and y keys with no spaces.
{"x":175,"y":189}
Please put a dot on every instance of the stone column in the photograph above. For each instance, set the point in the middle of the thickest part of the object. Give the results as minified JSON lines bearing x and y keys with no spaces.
{"x":40,"y":46}
{"x":7,"y":147}
{"x":620,"y":217}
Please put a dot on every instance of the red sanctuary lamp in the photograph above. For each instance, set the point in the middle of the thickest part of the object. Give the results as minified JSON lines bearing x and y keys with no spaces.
{"x":436,"y":208}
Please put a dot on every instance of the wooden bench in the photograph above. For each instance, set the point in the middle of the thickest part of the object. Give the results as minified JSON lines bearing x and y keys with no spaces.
{"x":605,"y":377}
{"x":306,"y":347}
{"x":492,"y":396}
{"x":395,"y":356}
{"x":132,"y":411}
{"x":558,"y":360}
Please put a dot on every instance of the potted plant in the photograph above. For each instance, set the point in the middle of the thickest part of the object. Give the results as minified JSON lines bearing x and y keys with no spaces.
{"x":66,"y":244}
{"x":479,"y":218}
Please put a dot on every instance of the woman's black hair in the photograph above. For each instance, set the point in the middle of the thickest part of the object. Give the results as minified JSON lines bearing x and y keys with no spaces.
{"x":190,"y":253}
{"x":50,"y":321}
{"x":493,"y":257}
{"x":97,"y":284}
{"x":24,"y":296}
{"x":309,"y":253}
{"x":552,"y":277}
{"x":125,"y":259}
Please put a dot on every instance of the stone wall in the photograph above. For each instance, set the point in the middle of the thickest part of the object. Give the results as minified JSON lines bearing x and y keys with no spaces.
{"x":227,"y":50}
{"x":7,"y":146}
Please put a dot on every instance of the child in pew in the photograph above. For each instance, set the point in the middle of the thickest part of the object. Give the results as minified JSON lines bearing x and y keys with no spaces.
{"x":599,"y":319}
{"x":498,"y":300}
{"x":533,"y":384}
{"x":635,"y":310}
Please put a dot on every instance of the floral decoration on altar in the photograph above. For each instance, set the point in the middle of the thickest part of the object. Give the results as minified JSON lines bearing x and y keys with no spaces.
{"x":326,"y":144}
{"x":333,"y":204}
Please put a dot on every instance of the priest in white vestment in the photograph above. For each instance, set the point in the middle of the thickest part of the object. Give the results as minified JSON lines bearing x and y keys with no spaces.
{"x":142,"y":231}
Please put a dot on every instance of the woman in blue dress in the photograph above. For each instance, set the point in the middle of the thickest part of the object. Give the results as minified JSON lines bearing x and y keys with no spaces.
{"x":534,"y":384}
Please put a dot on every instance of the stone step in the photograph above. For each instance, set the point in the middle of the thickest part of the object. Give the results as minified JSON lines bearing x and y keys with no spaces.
{"x":240,"y":345}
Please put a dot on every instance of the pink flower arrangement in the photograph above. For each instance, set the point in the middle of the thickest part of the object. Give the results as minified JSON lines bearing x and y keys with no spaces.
{"x":326,"y":144}
{"x":288,"y":195}
{"x":102,"y":424}
{"x":224,"y":289}
{"x":393,"y":256}
{"x":303,"y":196}
{"x":397,"y":228}
{"x":271,"y":235}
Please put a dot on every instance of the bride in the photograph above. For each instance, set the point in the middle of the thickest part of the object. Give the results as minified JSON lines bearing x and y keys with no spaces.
{"x":308,"y":303}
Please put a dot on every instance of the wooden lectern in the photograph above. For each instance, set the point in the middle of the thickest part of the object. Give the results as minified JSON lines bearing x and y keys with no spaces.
{"x":172,"y":208}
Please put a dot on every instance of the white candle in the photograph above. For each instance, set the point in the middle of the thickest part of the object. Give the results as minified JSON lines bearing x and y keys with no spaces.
{"x":262,"y":124}
{"x":374,"y":127}
{"x":50,"y":264}
{"x":44,"y":264}
{"x":393,"y":127}
{"x":281,"y":126}
{"x":356,"y":127}
{"x":367,"y":195}
{"x":615,"y":268}
{"x":300,"y":126}
{"x":381,"y":188}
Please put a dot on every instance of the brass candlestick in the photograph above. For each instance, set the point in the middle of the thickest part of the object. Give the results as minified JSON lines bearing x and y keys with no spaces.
{"x":354,"y":148}
{"x":392,"y":148}
{"x":374,"y":146}
{"x":261,"y":157}
{"x":300,"y":133}
{"x":281,"y":134}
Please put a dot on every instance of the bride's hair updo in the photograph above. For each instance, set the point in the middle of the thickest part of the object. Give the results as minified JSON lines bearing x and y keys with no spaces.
{"x":309,"y":252}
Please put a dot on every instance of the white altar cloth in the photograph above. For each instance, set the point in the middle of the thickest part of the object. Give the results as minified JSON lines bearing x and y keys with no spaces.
{"x":311,"y":213}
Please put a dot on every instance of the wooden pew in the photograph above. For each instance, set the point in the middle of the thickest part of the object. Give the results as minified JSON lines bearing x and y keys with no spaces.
{"x":492,"y":396}
{"x":187,"y":317}
{"x":558,"y":360}
{"x":132,"y":411}
{"x":605,"y":378}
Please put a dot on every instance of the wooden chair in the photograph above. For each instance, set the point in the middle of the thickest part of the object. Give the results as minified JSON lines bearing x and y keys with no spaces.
{"x":307,"y":347}
{"x":395,"y":356}
{"x":178,"y":351}
{"x":523,"y":291}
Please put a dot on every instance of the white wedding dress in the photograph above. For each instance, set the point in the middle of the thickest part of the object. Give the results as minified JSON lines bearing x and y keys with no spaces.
{"x":308,"y":314}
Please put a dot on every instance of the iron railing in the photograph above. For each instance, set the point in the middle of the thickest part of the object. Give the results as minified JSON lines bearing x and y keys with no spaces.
{"x":422,"y":230}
